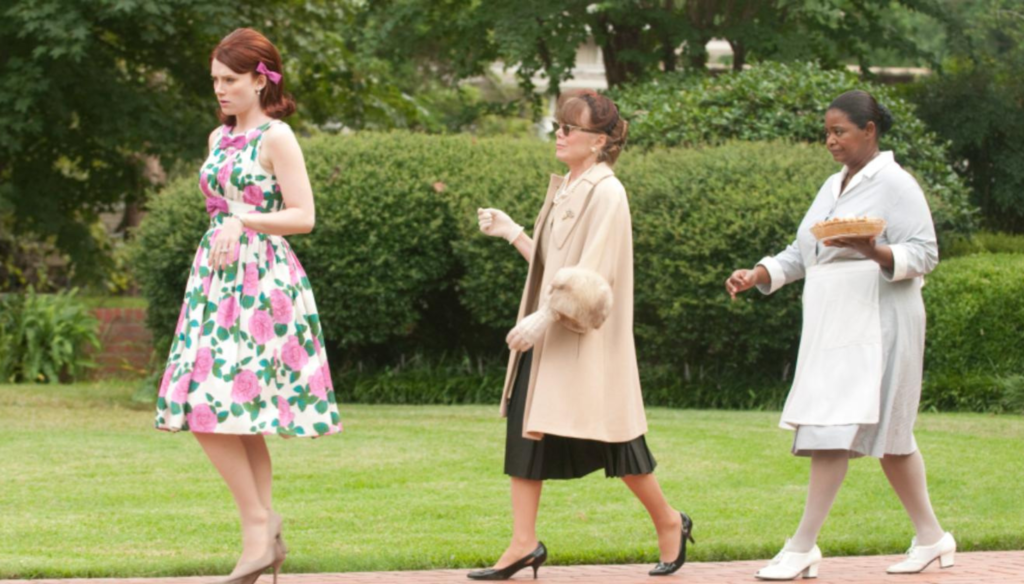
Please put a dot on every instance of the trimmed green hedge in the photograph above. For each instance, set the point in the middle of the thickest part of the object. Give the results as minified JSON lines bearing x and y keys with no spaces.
{"x":973,"y":358}
{"x":399,"y":268}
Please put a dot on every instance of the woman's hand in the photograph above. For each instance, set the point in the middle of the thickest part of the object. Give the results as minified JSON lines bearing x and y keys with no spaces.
{"x":862,"y":245}
{"x":224,"y":250}
{"x":497,"y":223}
{"x":743,"y":280}
{"x":530,"y":330}
{"x":866,"y":246}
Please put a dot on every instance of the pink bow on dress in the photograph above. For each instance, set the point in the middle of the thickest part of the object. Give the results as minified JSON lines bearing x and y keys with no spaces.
{"x":273,"y":76}
{"x":237,"y":142}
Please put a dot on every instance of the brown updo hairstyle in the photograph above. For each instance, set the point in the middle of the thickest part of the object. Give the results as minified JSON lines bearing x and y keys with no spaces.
{"x":242,"y":51}
{"x":604,"y":117}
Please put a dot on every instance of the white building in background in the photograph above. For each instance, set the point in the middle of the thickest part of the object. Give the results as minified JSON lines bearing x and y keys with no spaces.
{"x":589,"y":70}
{"x":588,"y":73}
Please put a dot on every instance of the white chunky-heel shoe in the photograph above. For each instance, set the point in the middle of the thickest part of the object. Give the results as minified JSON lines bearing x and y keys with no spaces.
{"x":919,"y":557}
{"x":788,"y":565}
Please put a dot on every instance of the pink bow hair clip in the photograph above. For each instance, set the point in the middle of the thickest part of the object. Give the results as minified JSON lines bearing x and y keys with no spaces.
{"x":273,"y":76}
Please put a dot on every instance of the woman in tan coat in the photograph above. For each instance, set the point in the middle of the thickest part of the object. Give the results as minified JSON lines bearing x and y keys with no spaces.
{"x":572,"y":392}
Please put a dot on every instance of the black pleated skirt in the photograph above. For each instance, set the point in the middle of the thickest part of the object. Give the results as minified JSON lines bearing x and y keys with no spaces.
{"x":558,"y":457}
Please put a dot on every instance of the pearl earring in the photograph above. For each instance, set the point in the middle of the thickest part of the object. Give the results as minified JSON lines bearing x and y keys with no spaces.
{"x":593,"y":149}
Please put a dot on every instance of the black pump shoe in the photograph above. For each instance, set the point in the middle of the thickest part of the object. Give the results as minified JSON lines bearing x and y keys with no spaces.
{"x":666,"y":568}
{"x":532,"y":560}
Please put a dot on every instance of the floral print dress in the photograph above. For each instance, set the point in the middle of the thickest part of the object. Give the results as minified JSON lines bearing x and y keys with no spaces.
{"x":247,"y":355}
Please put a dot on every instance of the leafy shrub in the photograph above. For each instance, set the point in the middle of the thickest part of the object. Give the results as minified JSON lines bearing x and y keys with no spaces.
{"x":162,"y":252}
{"x":975,"y":323}
{"x":388,"y":206}
{"x":43,"y":337}
{"x":975,"y":100}
{"x":424,"y":380}
{"x":717,"y":210}
{"x":984,"y":242}
{"x":777,"y":101}
{"x":399,"y":267}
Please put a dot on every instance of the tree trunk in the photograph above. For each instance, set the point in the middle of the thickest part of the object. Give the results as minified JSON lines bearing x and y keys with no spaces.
{"x":614,"y":40}
{"x":739,"y":54}
{"x":698,"y":55}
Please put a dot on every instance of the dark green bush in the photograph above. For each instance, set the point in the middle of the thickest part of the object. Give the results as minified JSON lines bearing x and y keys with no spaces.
{"x":44,"y":337}
{"x":975,"y":323}
{"x":698,"y":215}
{"x":162,"y":252}
{"x":984,"y":242}
{"x":400,"y":269}
{"x":975,"y":100}
{"x":424,"y":379}
{"x":381,"y":261}
{"x":777,"y":101}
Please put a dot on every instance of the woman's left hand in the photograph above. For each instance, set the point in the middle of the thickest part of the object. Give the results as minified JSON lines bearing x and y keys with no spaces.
{"x":530,"y":330}
{"x":862,"y":245}
{"x":224,"y":249}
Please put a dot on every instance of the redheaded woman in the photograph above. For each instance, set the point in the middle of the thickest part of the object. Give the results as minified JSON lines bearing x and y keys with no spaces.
{"x":248,"y":356}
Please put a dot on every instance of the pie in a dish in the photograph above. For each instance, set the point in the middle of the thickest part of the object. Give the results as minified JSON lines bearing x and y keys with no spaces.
{"x":848,"y":227}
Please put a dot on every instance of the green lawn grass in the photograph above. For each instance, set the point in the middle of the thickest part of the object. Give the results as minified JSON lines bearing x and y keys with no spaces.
{"x":88,"y":488}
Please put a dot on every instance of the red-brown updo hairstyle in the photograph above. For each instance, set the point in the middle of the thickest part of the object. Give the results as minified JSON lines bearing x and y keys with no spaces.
{"x":604,"y":117}
{"x":242,"y":51}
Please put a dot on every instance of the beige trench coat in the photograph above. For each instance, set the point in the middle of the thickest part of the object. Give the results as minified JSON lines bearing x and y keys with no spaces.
{"x":584,"y":385}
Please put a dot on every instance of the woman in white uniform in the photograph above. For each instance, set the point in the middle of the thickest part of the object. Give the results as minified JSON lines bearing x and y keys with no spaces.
{"x":858,"y":379}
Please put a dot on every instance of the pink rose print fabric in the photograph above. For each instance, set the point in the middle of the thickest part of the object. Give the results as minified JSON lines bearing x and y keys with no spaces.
{"x":248,"y":352}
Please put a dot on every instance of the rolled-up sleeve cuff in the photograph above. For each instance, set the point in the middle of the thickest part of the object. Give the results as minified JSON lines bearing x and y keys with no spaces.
{"x":775,"y":272}
{"x":900,"y":259}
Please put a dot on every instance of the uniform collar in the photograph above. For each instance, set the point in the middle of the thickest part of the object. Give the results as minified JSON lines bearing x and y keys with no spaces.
{"x":869,"y":171}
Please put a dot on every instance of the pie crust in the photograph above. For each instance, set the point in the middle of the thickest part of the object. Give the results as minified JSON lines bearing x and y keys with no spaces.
{"x":848,"y":227}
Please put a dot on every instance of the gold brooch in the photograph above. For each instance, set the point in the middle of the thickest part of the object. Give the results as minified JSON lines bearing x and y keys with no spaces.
{"x":568,"y":215}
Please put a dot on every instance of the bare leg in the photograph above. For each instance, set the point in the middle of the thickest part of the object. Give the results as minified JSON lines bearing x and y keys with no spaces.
{"x":828,"y":469}
{"x":228,"y":454}
{"x":525,"y":503}
{"x":667,"y":521}
{"x":907,"y":476}
{"x":262,"y":471}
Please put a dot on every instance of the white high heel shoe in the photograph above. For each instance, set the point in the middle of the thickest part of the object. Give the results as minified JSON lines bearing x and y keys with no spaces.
{"x":919,"y":557}
{"x":787,"y":565}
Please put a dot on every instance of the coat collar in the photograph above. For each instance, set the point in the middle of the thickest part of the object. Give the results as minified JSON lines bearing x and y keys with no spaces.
{"x":869,"y":172}
{"x":598,"y":172}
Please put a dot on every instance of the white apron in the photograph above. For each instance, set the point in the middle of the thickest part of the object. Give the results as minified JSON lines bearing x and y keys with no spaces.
{"x":839,"y":369}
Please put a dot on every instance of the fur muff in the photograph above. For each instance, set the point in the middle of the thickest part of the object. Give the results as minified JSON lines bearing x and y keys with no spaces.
{"x":581,"y":298}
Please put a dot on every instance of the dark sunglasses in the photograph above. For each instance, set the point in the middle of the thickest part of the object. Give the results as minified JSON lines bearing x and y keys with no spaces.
{"x":568,"y":128}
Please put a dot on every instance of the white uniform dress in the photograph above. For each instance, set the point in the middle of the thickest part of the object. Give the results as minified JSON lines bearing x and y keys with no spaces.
{"x":881,"y":189}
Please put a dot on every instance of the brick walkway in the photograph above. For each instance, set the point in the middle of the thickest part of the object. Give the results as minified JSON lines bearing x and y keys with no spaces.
{"x":971,"y":568}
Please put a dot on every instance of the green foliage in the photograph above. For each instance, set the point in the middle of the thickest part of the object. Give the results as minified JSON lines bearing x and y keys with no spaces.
{"x":638,"y":40}
{"x":90,"y":90}
{"x":698,"y":215}
{"x":399,"y":267}
{"x":24,"y":260}
{"x":976,"y":102}
{"x":984,"y":242}
{"x":423,"y":380}
{"x":68,"y":152}
{"x":975,"y":322}
{"x":787,"y":102}
{"x":162,"y":253}
{"x":388,"y":210}
{"x":43,"y":337}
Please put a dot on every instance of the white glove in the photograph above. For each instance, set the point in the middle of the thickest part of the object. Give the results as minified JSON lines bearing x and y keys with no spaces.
{"x":497,"y":223}
{"x":530,"y":329}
